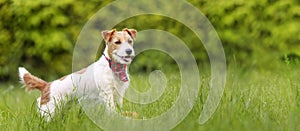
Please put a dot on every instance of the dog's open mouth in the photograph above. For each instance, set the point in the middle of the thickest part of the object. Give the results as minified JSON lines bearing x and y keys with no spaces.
{"x":126,"y":58}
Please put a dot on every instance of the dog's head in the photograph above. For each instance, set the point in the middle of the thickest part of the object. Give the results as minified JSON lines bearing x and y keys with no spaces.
{"x":120,"y":44}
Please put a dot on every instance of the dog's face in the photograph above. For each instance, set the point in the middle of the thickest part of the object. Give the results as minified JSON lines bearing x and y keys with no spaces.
{"x":120,"y":44}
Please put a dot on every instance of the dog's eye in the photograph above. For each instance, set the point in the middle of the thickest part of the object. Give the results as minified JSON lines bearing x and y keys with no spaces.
{"x":129,"y":41}
{"x":118,"y":42}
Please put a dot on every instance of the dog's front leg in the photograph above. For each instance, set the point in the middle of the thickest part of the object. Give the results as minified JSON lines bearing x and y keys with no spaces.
{"x":108,"y":99}
{"x":120,"y":97}
{"x":121,"y":92}
{"x":111,"y":103}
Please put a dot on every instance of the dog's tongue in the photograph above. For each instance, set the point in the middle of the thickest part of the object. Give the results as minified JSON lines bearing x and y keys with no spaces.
{"x":127,"y":58}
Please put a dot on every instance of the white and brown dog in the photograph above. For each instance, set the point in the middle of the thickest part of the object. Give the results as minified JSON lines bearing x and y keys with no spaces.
{"x":109,"y":75}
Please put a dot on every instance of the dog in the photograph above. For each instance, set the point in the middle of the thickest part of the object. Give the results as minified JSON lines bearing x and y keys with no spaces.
{"x":109,"y":74}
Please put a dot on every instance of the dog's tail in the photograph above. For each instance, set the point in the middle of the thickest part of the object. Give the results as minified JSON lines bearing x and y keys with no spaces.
{"x":30,"y":81}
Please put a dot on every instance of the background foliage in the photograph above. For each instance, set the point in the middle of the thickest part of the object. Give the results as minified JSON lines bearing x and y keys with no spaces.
{"x":260,"y":38}
{"x":41,"y":34}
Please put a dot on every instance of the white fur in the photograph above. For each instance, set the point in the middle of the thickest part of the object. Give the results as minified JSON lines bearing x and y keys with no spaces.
{"x":97,"y":82}
{"x":99,"y":74}
{"x":22,"y":72}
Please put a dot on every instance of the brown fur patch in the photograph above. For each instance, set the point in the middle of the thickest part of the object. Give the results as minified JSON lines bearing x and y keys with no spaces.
{"x":62,"y":78}
{"x":45,"y":97}
{"x":33,"y":82}
{"x":107,"y":35}
{"x":111,"y":48}
{"x":131,"y":32}
{"x":81,"y":71}
{"x":78,"y":72}
{"x":120,"y":36}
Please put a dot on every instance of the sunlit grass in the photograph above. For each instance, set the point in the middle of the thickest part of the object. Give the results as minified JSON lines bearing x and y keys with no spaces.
{"x":253,"y":100}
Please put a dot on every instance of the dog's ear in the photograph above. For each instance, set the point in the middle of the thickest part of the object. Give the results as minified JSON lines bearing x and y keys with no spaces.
{"x":107,"y":35}
{"x":131,"y":32}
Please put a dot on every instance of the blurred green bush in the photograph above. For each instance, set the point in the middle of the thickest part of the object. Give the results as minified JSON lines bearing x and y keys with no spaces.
{"x":41,"y":34}
{"x":256,"y":28}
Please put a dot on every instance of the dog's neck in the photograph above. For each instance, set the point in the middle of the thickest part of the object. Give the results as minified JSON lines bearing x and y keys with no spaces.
{"x":120,"y":70}
{"x":105,"y":53}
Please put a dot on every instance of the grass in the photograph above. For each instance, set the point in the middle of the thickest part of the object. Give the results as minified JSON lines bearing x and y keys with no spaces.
{"x":254,"y":99}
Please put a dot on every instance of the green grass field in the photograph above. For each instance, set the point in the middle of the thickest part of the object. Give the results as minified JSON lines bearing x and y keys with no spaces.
{"x":254,"y":99}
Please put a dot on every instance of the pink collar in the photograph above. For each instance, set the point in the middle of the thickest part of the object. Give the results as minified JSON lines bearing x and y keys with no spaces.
{"x":118,"y":69}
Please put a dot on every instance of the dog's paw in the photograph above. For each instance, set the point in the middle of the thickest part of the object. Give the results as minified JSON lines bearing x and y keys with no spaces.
{"x":130,"y":114}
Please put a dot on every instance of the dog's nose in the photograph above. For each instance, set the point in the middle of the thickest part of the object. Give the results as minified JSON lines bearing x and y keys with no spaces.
{"x":128,"y":51}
